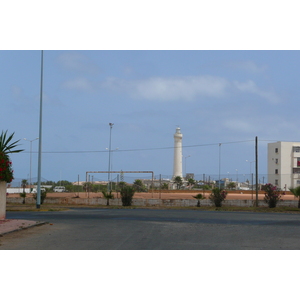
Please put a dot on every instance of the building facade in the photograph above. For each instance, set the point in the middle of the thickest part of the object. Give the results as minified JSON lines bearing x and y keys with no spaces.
{"x":284,"y":164}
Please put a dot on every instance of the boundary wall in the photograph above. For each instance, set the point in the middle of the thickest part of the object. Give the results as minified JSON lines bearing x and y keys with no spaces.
{"x":149,"y":202}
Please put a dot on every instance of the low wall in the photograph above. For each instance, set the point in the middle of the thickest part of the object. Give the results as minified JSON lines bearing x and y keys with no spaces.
{"x":148,"y":202}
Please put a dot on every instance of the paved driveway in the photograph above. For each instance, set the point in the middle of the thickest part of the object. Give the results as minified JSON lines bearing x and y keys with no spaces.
{"x":155,"y":229}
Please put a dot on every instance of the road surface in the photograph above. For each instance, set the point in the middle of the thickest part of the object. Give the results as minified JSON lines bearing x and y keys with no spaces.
{"x":151,"y":229}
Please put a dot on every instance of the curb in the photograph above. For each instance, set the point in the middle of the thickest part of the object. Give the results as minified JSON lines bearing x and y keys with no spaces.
{"x":19,"y":228}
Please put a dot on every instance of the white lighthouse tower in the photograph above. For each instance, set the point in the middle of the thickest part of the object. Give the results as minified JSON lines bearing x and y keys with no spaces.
{"x":177,"y":167}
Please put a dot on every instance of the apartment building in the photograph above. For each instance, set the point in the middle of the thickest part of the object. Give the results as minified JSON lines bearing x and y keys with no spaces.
{"x":284,"y":164}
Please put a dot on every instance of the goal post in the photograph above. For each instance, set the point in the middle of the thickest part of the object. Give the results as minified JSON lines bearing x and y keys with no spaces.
{"x":119,"y":172}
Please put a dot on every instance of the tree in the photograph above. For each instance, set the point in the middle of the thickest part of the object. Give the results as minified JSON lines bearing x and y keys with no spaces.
{"x":164,"y":186}
{"x":199,"y":197}
{"x":107,"y":196}
{"x":191,"y":183}
{"x":138,"y":185}
{"x":217,"y":196}
{"x":121,"y":185}
{"x":127,"y":193}
{"x":296,"y":193}
{"x":23,"y":195}
{"x":87,"y":186}
{"x":178,"y":181}
{"x":231,"y":185}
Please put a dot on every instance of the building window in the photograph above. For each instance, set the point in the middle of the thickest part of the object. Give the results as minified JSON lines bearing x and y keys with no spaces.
{"x":276,"y":150}
{"x":276,"y":181}
{"x":276,"y":161}
{"x":298,"y":161}
{"x":276,"y":171}
{"x":296,"y":149}
{"x":296,"y":170}
{"x":298,"y":182}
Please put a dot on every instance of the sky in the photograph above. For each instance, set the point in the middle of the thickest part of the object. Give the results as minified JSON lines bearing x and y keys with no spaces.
{"x":215,"y":97}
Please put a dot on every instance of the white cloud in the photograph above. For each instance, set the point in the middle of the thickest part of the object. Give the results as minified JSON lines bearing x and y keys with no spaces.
{"x":78,"y":84}
{"x":175,"y":88}
{"x":248,"y":66}
{"x":240,"y":125}
{"x":250,"y":87}
{"x":75,"y":61}
{"x":168,"y":89}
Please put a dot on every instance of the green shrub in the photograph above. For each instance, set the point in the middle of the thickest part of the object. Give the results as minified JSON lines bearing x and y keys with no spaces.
{"x":43,"y":195}
{"x":23,"y":195}
{"x":272,"y":194}
{"x":199,"y":197}
{"x":217,"y":196}
{"x":127,"y":193}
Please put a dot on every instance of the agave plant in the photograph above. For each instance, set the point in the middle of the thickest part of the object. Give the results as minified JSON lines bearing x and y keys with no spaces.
{"x":296,"y":193}
{"x":6,"y":146}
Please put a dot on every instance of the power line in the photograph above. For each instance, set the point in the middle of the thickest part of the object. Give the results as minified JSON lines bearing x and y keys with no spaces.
{"x":141,"y":149}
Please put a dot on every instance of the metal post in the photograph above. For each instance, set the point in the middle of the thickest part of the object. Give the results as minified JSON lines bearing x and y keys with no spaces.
{"x":220,"y":165}
{"x":109,"y":152}
{"x":256,"y":171}
{"x":159,"y":186}
{"x":38,"y":198}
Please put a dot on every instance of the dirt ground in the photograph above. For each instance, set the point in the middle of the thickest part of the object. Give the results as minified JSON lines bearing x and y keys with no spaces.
{"x":245,"y":195}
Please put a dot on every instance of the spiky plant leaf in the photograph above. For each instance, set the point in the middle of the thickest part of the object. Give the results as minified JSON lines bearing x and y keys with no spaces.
{"x":5,"y":146}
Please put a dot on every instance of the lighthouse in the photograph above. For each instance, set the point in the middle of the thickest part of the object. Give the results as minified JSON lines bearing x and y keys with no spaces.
{"x":177,"y":167}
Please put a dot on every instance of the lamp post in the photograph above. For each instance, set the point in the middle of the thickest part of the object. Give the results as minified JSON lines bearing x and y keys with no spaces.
{"x":111,"y":159}
{"x":30,"y":159}
{"x":185,"y":164}
{"x":250,"y":162}
{"x":109,"y":154}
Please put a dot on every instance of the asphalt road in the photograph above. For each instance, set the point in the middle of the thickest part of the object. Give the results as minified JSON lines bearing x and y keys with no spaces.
{"x":151,"y":229}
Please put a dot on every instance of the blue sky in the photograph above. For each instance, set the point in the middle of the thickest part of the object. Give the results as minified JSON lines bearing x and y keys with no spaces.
{"x":226,"y":97}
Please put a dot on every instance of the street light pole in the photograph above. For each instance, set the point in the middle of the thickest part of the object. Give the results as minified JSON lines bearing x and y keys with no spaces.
{"x":38,"y":196}
{"x":30,"y":159}
{"x":109,"y":153}
{"x":220,"y":165}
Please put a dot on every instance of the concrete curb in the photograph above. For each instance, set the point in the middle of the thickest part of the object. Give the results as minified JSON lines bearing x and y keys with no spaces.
{"x":12,"y":225}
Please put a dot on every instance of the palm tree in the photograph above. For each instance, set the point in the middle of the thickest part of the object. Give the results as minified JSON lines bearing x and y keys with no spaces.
{"x":296,"y":193}
{"x":107,"y":196}
{"x":178,"y":181}
{"x":199,"y":197}
{"x":231,"y":185}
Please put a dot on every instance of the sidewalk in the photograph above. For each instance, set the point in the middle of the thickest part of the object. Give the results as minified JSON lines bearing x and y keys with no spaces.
{"x":11,"y":225}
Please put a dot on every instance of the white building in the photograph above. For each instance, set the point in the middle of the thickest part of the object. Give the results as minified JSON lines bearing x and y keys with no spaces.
{"x":284,"y":164}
